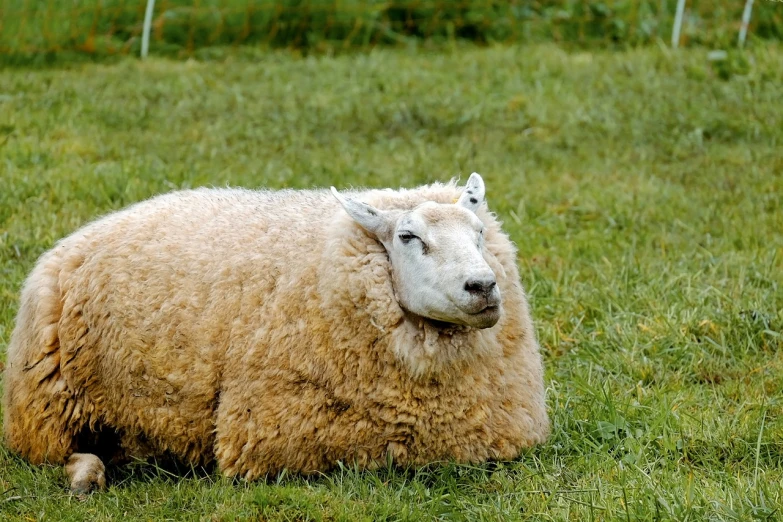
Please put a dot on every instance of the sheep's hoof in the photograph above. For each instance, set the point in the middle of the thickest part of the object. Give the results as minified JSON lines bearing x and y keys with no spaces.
{"x":86,"y":473}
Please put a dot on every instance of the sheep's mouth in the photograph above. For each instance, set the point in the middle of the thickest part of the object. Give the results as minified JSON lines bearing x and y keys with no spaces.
{"x":488,"y":312}
{"x":489,"y":306}
{"x":487,"y":317}
{"x":489,"y":309}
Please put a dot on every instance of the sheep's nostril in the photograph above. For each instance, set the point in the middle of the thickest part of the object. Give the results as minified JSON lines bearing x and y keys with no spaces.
{"x":480,"y":286}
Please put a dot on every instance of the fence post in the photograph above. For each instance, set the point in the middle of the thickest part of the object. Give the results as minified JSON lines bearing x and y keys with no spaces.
{"x":678,"y":23}
{"x":745,"y":21}
{"x":145,"y":34}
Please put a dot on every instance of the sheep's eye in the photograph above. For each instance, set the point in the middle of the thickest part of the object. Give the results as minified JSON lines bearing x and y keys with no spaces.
{"x":406,"y":237}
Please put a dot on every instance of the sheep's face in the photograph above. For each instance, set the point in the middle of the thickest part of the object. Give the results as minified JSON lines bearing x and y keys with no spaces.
{"x":436,"y":254}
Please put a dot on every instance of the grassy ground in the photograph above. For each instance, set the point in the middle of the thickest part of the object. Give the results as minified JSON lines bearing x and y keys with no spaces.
{"x":50,"y":30}
{"x":644,"y":191}
{"x":54,"y":31}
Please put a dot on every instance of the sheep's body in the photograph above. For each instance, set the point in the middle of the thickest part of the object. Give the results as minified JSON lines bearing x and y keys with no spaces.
{"x":261,"y":330}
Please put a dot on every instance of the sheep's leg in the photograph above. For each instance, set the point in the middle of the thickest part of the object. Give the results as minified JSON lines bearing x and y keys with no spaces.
{"x":85,"y":472}
{"x":42,"y":415}
{"x":37,"y":426}
{"x":37,"y":403}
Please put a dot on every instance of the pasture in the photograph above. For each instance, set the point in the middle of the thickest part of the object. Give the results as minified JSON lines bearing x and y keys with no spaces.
{"x":643,"y":189}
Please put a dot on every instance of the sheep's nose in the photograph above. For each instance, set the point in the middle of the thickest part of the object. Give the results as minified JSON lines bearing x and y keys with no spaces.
{"x":480,"y":286}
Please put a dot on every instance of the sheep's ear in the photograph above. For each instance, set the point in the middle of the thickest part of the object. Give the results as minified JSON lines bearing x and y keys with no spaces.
{"x":473,"y":195}
{"x":378,"y":222}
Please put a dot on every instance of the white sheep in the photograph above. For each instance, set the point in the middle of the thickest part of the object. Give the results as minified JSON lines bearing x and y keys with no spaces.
{"x":273,"y":330}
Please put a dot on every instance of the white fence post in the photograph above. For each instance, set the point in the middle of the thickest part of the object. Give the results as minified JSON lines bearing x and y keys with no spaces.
{"x":678,"y":23}
{"x":145,"y":34}
{"x":743,"y":33}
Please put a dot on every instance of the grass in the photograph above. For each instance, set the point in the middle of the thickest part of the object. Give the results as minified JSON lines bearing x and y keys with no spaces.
{"x":645,"y":193}
{"x":63,"y":30}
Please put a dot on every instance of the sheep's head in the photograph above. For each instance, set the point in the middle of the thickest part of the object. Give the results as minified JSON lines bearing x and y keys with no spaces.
{"x":436,"y":254}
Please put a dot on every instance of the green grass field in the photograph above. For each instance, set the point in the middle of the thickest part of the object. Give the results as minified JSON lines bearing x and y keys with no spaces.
{"x":47,"y":31}
{"x":645,"y":193}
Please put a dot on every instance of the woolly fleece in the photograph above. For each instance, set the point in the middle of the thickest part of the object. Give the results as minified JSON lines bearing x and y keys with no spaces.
{"x":260,"y":330}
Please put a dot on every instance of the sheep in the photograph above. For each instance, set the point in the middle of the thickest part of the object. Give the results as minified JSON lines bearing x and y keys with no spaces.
{"x":277,"y":330}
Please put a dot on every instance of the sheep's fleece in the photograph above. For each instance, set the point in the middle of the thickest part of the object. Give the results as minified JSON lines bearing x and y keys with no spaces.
{"x":260,"y":330}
